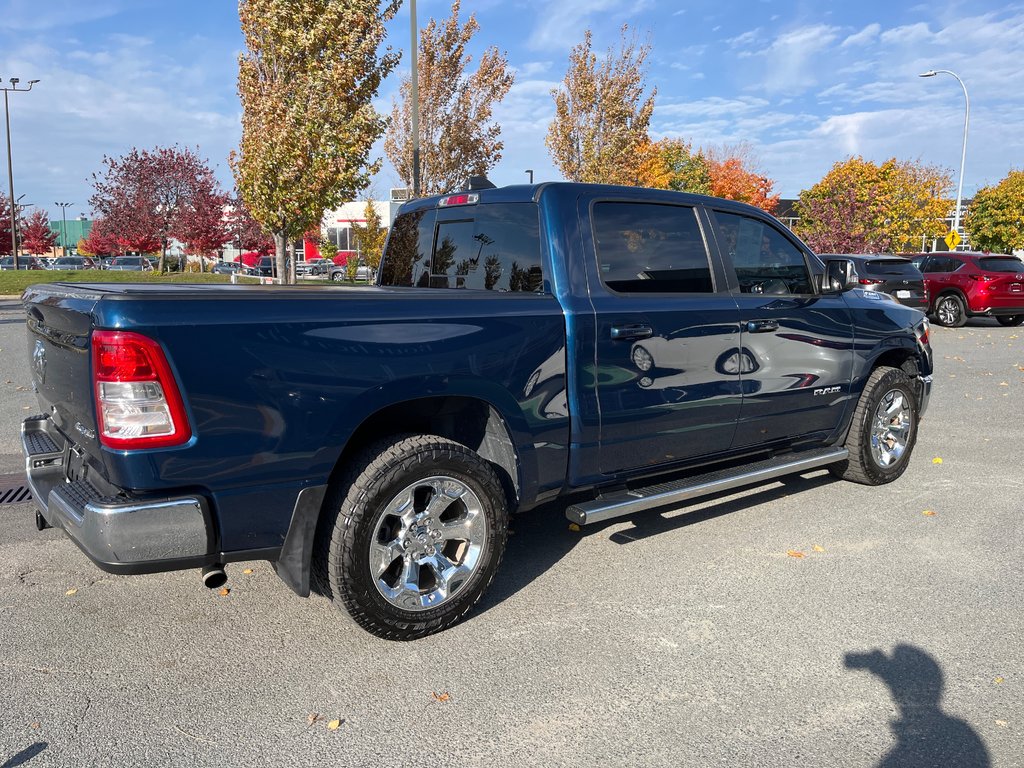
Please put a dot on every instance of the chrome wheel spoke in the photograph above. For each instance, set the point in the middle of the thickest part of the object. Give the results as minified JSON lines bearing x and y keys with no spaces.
{"x":428,"y":543}
{"x":891,"y":428}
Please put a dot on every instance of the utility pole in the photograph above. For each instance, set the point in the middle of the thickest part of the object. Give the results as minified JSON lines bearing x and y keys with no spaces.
{"x":64,"y":220}
{"x":10,"y":168}
{"x":415,"y":83}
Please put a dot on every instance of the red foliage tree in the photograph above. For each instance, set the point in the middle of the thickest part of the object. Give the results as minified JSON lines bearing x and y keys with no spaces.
{"x":99,"y":242}
{"x":36,"y":235}
{"x":145,"y":194}
{"x":247,"y":233}
{"x":5,"y":225}
{"x":202,"y":226}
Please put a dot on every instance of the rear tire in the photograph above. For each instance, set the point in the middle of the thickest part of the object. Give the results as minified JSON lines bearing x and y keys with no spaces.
{"x":1010,"y":320}
{"x":414,"y":536}
{"x":884,"y":430}
{"x":950,"y":311}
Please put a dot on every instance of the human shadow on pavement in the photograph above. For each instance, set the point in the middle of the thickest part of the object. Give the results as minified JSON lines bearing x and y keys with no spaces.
{"x":25,"y":755}
{"x":925,"y":735}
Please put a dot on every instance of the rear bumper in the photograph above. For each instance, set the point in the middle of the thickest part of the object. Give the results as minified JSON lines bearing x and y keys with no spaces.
{"x":120,"y":532}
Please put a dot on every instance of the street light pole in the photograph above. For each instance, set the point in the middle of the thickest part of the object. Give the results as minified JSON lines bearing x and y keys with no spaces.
{"x":64,"y":219}
{"x":414,"y":83}
{"x":963,"y":153}
{"x":10,"y":169}
{"x":529,"y":171}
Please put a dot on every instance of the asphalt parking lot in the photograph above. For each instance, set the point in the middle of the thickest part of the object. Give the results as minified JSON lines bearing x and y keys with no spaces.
{"x":812,"y":623}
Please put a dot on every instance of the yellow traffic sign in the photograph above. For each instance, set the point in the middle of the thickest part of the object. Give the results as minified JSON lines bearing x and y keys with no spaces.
{"x":952,"y":240}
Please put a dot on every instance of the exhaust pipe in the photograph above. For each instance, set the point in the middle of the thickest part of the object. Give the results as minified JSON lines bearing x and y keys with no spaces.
{"x":214,"y":576}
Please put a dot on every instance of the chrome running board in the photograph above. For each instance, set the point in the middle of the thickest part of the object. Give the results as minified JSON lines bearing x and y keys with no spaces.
{"x":626,"y":502}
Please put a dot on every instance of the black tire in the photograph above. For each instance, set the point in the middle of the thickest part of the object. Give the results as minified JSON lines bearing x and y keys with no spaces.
{"x":362,"y":506}
{"x":338,"y":276}
{"x":950,"y":311}
{"x":868,"y":463}
{"x":1010,"y":320}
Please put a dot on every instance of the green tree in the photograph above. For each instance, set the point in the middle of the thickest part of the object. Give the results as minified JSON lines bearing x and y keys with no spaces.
{"x":995,"y":220}
{"x":601,"y":114}
{"x":457,"y":135}
{"x":306,"y":83}
{"x":863,"y":207}
{"x":371,"y":237}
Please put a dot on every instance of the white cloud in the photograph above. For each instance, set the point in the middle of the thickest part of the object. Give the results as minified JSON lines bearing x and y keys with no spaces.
{"x":866,"y":35}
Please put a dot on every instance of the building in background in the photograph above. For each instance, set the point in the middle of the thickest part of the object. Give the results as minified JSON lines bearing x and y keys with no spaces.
{"x":77,"y":229}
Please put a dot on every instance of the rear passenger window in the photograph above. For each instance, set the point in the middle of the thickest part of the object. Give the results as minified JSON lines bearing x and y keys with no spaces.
{"x":651,"y":248}
{"x":765,"y":260}
{"x":492,"y":247}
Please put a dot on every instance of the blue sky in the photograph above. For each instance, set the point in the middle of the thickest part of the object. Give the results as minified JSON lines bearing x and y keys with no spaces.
{"x":804,"y":83}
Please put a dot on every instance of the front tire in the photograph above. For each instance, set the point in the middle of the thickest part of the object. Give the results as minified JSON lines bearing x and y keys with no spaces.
{"x":1010,"y":320}
{"x":884,"y":430}
{"x":950,"y":311}
{"x":338,"y":276}
{"x":414,"y":537}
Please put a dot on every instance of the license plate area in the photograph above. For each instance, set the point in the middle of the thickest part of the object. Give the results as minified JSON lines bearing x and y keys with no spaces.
{"x":1015,"y":287}
{"x":902,"y":294}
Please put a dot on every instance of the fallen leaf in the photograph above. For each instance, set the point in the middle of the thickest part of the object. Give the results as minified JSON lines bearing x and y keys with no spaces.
{"x":36,"y":725}
{"x":443,"y":696}
{"x":312,"y":717}
{"x":334,"y":725}
{"x":574,"y":527}
{"x":71,"y":592}
{"x":224,"y":592}
{"x":1003,"y":384}
{"x":795,"y":553}
{"x":247,"y":571}
{"x":937,"y":460}
{"x":1001,"y":723}
{"x":999,"y":681}
{"x":818,"y":548}
{"x":928,"y":513}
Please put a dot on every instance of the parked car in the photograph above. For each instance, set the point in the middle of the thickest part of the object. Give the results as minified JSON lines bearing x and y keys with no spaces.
{"x":130,"y":264}
{"x":374,"y":443}
{"x":73,"y":263}
{"x":24,"y":262}
{"x":887,"y":273}
{"x":225,"y":268}
{"x":319,"y":267}
{"x":339,"y":272}
{"x":964,"y":284}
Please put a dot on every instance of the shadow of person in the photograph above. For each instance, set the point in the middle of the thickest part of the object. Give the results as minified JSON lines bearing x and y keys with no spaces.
{"x":925,"y":736}
{"x":25,"y":755}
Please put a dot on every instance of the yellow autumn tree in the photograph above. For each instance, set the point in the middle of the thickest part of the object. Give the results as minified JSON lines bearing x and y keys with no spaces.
{"x":995,"y":220}
{"x":865,"y":207}
{"x":306,"y":82}
{"x":602,"y":116}
{"x":458,"y":137}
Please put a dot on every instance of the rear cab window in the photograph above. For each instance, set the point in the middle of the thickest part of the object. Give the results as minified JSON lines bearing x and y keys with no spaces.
{"x":651,"y":248}
{"x":891,"y":268}
{"x":490,"y":247}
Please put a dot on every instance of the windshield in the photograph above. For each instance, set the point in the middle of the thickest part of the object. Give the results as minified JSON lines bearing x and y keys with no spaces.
{"x":892,"y":268}
{"x":1001,"y":264}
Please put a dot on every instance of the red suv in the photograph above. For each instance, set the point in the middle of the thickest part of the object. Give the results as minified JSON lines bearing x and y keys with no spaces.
{"x":963,"y":285}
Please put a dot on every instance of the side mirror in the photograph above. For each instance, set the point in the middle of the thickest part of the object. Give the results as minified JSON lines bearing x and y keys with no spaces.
{"x":839,"y":275}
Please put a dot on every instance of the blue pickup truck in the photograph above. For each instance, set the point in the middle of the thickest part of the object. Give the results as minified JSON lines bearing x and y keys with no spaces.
{"x":622,"y":349}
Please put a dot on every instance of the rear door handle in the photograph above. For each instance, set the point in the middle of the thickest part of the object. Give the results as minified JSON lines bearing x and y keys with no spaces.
{"x":631,"y":331}
{"x":762,"y":326}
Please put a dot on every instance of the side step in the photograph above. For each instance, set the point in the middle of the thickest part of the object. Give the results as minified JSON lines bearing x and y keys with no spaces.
{"x":627,"y":502}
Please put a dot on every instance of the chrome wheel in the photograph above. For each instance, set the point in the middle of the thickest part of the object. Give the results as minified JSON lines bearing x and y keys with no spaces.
{"x":949,"y":311}
{"x":427,"y":543}
{"x":891,"y":428}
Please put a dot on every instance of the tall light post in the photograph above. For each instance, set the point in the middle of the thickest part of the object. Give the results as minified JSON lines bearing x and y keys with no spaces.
{"x":64,"y":219}
{"x":529,"y":171}
{"x":10,"y":169}
{"x":963,"y":153}
{"x":414,"y":83}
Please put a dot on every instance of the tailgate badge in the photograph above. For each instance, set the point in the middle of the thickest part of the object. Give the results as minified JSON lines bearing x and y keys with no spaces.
{"x":39,"y":362}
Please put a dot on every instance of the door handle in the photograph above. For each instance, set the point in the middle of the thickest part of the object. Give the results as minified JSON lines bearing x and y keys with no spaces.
{"x":762,"y":326}
{"x":632,"y":331}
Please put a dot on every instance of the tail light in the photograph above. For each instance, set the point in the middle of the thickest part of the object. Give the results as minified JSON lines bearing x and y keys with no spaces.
{"x":982,"y":278}
{"x":869,"y":281}
{"x":137,"y":400}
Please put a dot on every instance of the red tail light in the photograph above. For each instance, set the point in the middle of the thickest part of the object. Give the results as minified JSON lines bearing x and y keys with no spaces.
{"x":137,"y":400}
{"x":983,"y":278}
{"x":869,"y":281}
